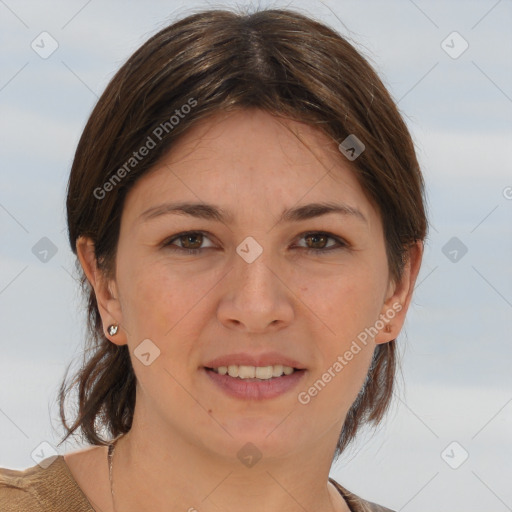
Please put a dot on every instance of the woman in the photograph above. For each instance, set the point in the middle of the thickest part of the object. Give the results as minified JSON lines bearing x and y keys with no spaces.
{"x":247,"y":212}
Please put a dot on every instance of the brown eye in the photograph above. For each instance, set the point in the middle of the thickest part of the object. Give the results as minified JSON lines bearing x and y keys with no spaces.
{"x":318,"y":240}
{"x":317,"y":243}
{"x":188,"y":242}
{"x":191,"y":241}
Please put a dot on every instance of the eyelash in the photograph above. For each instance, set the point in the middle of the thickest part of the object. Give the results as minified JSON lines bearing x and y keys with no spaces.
{"x":341,"y":243}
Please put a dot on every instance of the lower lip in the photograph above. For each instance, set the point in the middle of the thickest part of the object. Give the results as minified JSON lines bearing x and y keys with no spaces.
{"x":250,"y":389}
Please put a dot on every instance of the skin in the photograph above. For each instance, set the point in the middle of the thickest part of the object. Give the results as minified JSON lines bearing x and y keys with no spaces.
{"x":182,"y":449}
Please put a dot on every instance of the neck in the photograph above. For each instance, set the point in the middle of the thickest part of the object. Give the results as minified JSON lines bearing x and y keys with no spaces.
{"x":161,"y":471}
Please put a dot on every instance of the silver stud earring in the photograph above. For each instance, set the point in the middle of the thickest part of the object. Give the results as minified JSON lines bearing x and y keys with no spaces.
{"x":112,"y":329}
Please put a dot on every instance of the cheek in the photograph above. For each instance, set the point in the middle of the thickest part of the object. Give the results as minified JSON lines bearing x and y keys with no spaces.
{"x":161,"y":301}
{"x":145,"y":298}
{"x":165,"y":306}
{"x":343,"y":308}
{"x":343,"y":304}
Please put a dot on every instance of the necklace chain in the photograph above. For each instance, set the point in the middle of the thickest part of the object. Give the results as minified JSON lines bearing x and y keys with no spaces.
{"x":111,"y":448}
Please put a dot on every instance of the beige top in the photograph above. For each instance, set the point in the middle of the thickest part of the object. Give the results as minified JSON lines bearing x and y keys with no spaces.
{"x":54,"y":489}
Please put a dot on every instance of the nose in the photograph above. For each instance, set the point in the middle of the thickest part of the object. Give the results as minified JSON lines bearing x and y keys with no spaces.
{"x":256,"y":296}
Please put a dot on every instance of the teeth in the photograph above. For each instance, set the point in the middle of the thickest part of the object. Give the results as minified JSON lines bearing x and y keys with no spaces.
{"x":277,"y":370}
{"x":251,"y":372}
{"x":264,"y":372}
{"x":244,"y":372}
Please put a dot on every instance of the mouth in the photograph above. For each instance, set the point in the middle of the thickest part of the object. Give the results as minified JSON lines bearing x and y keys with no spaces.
{"x":255,"y":382}
{"x":254,"y":373}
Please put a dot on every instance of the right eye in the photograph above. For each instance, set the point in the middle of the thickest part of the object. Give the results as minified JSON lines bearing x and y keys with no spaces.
{"x":188,"y":238}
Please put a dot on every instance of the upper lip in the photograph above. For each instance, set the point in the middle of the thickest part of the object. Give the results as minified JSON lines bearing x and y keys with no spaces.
{"x":263,"y":359}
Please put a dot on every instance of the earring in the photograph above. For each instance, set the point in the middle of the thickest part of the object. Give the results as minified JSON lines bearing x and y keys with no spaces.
{"x":112,"y":329}
{"x":387,"y":328}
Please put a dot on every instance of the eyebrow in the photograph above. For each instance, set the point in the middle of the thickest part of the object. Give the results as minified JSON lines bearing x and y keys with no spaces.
{"x":211,"y":212}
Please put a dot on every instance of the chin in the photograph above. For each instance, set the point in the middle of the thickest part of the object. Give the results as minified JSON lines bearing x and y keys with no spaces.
{"x":269,"y":435}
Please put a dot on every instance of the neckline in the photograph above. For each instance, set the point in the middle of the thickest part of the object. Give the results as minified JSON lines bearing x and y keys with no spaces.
{"x":71,"y":479}
{"x":347,"y":495}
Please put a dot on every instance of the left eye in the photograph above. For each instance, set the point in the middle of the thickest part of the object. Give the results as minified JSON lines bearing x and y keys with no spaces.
{"x":187,"y":240}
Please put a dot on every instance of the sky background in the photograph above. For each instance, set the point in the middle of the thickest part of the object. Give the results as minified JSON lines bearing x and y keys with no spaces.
{"x":456,"y":344}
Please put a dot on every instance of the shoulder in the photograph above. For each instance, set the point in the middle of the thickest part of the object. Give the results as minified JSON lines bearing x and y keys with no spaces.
{"x":18,"y":489}
{"x":47,"y":487}
{"x":357,"y":504}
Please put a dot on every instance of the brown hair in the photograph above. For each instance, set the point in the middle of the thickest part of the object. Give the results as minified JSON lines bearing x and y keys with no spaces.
{"x":277,"y":60}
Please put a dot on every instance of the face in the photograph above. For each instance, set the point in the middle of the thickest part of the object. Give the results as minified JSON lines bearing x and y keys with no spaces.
{"x":255,"y":279}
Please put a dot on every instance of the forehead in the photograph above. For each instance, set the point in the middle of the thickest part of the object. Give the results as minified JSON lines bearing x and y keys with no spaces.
{"x":256,"y":136}
{"x":253,"y":159}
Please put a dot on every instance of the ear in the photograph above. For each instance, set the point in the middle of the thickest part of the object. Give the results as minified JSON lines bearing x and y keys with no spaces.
{"x":399,"y":296}
{"x":107,"y":300}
